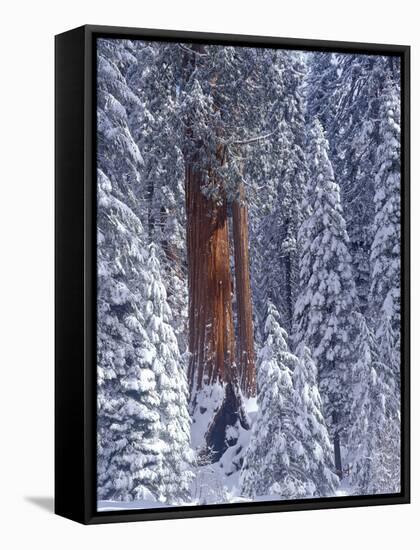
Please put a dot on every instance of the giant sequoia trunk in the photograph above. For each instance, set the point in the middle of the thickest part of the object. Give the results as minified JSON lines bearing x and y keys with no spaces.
{"x":245,"y":344}
{"x":211,"y":331}
{"x":211,"y":338}
{"x":211,"y":328}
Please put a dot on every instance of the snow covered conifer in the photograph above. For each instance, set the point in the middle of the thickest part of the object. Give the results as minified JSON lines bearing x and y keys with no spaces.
{"x":385,"y":304}
{"x":129,"y":454}
{"x":275,"y":462}
{"x":374,"y":438}
{"x":118,"y":154}
{"x":322,"y":86}
{"x":345,"y":91}
{"x":171,"y":387}
{"x":143,"y":422}
{"x":155,"y":127}
{"x":277,"y":173}
{"x":316,"y":440}
{"x":327,"y":296}
{"x":136,"y":427}
{"x":385,"y":254}
{"x":360,"y":441}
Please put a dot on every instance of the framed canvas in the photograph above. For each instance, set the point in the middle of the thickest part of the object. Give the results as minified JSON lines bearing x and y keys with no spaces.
{"x":232,"y":274}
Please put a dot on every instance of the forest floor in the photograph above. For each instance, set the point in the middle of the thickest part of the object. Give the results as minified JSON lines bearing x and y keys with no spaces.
{"x":213,"y":487}
{"x":216,"y":483}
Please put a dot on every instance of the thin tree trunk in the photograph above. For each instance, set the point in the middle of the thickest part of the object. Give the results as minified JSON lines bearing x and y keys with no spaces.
{"x":337,"y":447}
{"x":337,"y":456}
{"x":245,"y":343}
{"x":150,"y":214}
{"x":289,"y":291}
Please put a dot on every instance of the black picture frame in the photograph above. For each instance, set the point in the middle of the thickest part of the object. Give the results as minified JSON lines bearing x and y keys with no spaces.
{"x":75,"y":275}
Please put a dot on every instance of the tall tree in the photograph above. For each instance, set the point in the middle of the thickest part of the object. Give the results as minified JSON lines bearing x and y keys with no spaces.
{"x":171,"y":385}
{"x":128,"y":422}
{"x":212,"y":344}
{"x":346,"y":92}
{"x":374,"y":438}
{"x":121,"y":260}
{"x":277,"y":171}
{"x":211,"y":333}
{"x":155,"y":128}
{"x":143,"y":423}
{"x":376,"y":444}
{"x":327,"y":296}
{"x":385,"y":255}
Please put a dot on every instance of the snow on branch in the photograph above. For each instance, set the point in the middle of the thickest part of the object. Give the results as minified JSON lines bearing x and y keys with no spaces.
{"x":189,"y":50}
{"x":254,"y":139}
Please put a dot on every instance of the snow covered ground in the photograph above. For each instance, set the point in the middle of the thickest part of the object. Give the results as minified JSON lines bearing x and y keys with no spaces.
{"x":111,"y":506}
{"x":216,"y":483}
{"x":214,"y":489}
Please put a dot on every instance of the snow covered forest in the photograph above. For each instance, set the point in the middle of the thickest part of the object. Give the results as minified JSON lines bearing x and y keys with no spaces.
{"x":248,"y":263}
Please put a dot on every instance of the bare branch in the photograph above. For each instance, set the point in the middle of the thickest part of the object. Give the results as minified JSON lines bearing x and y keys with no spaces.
{"x":254,"y":139}
{"x":189,"y":50}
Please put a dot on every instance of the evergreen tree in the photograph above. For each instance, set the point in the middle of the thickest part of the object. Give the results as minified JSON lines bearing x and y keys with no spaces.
{"x":128,"y":424}
{"x":277,"y":170}
{"x":385,"y":303}
{"x":156,"y":130}
{"x":215,"y":98}
{"x":374,"y":438}
{"x":143,"y":424}
{"x":143,"y":421}
{"x":316,"y":439}
{"x":194,"y":140}
{"x":345,"y":92}
{"x":212,"y":364}
{"x":275,"y":461}
{"x":327,"y":296}
{"x":118,"y":154}
{"x":354,"y":132}
{"x":171,"y":385}
{"x":282,"y":458}
{"x":129,"y":448}
{"x":385,"y":255}
{"x":322,"y":88}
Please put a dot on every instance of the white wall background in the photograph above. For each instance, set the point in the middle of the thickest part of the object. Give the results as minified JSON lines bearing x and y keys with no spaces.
{"x":26,"y":272}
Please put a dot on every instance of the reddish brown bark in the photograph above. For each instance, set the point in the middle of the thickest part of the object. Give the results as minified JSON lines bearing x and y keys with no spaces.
{"x":211,"y":337}
{"x":211,"y":334}
{"x":245,"y":342}
{"x":211,"y":328}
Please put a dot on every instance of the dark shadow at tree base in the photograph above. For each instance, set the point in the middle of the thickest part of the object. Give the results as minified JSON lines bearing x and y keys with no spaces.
{"x":230,"y":413}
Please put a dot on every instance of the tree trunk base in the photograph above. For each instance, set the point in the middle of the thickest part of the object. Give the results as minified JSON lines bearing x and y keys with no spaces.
{"x":231,"y":412}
